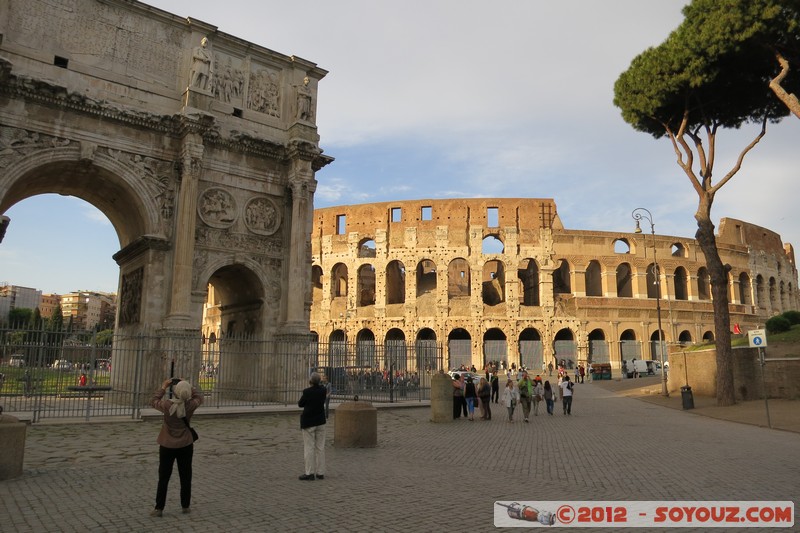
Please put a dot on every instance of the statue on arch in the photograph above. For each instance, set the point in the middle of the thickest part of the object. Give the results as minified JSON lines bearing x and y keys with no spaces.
{"x":202,"y":67}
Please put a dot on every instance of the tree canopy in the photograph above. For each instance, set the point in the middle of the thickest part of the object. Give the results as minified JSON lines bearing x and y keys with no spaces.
{"x":715,"y":69}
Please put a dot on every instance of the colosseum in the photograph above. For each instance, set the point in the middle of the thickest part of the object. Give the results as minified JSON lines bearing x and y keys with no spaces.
{"x":502,"y":280}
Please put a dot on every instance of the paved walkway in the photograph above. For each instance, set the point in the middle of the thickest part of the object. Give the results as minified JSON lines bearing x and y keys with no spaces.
{"x":421,"y":477}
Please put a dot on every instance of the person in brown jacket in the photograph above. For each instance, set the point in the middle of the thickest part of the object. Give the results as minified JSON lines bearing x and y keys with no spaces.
{"x":175,"y":440}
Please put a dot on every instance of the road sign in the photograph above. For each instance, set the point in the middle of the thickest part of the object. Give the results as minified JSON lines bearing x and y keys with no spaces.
{"x":758,"y":338}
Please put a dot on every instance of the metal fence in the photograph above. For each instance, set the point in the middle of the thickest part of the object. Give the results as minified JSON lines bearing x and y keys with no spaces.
{"x":51,"y":374}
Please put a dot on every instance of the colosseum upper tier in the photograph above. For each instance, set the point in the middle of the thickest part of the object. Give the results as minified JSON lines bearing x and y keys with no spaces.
{"x":502,"y":280}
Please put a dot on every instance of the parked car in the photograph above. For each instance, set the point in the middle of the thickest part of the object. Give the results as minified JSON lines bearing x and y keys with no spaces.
{"x":476,"y":378}
{"x":62,"y":364}
{"x":17,"y":360}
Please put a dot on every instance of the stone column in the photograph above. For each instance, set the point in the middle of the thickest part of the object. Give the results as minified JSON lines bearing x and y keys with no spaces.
{"x":183,"y":252}
{"x":303,"y":185}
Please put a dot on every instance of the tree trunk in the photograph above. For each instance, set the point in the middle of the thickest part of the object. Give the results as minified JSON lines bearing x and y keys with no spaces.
{"x":719,"y":292}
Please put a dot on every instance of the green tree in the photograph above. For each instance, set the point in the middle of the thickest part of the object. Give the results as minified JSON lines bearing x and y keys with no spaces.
{"x":713,"y":71}
{"x":57,"y":319}
{"x":20,"y":317}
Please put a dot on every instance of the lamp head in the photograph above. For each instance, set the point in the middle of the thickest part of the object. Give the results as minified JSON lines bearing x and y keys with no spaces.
{"x":638,"y":228}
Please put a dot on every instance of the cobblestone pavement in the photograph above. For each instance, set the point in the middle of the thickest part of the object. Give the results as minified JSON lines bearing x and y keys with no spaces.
{"x":421,"y":477}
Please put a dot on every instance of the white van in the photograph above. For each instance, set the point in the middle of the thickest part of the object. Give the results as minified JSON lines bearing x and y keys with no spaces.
{"x":639,"y":366}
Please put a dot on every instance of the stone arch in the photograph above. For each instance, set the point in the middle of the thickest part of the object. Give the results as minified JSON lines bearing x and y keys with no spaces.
{"x":339,"y":281}
{"x":745,"y":296}
{"x":655,"y":350}
{"x":561,"y":278}
{"x":494,"y":282}
{"x":681,"y":284}
{"x":427,"y":351}
{"x":394,"y":350}
{"x":495,"y":346}
{"x":531,"y":350}
{"x":678,"y":250}
{"x":492,"y":244}
{"x":366,"y":247}
{"x":624,"y":281}
{"x":316,"y":284}
{"x":703,"y":284}
{"x":366,"y":285}
{"x":708,"y":336}
{"x":426,"y":277}
{"x":629,"y":346}
{"x":458,"y":278}
{"x":594,"y":279}
{"x":395,"y":282}
{"x":685,"y":337}
{"x":565,"y":348}
{"x":773,"y":294}
{"x":622,"y":246}
{"x":459,"y":348}
{"x":761,"y":294}
{"x":366,"y":352}
{"x":240,"y":293}
{"x":528,"y":274}
{"x":598,"y":347}
{"x":116,"y":189}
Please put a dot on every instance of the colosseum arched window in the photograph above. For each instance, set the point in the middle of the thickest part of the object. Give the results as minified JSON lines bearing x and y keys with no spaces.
{"x":678,"y":250}
{"x":494,"y":283}
{"x":316,"y":284}
{"x":459,"y":348}
{"x":339,"y":281}
{"x":703,"y":284}
{"x":531,"y":351}
{"x":528,"y":274}
{"x":458,"y":278}
{"x":426,"y":278}
{"x":761,"y":293}
{"x":394,"y":346}
{"x":566,"y":350}
{"x":708,"y":336}
{"x":685,"y":337}
{"x":395,"y":283}
{"x":784,"y":297}
{"x":594,"y":279}
{"x":598,"y":347}
{"x":653,"y":280}
{"x":630,"y":348}
{"x":624,"y":281}
{"x":655,"y":350}
{"x":622,"y":246}
{"x":773,"y":294}
{"x":681,"y":284}
{"x":561,"y":278}
{"x":492,"y":245}
{"x":366,"y":285}
{"x":744,"y":289}
{"x":366,"y":248}
{"x":426,"y":348}
{"x":495,"y":346}
{"x":365,"y":349}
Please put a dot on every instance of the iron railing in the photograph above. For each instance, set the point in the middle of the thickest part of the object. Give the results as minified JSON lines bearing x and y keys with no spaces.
{"x":52,"y":374}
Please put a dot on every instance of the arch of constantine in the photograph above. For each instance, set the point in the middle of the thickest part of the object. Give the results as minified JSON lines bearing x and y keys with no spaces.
{"x":199,"y":147}
{"x":503,"y":280}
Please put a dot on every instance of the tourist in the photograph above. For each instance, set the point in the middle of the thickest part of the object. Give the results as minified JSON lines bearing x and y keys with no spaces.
{"x":566,"y":395}
{"x":328,"y":386}
{"x":549,"y":397}
{"x":485,"y":399}
{"x":312,"y":424}
{"x":550,"y":368}
{"x":510,"y":398}
{"x":525,"y":392}
{"x":471,"y":396}
{"x":458,"y":396}
{"x":582,"y":372}
{"x":495,"y":387}
{"x":537,"y":395}
{"x":175,"y":439}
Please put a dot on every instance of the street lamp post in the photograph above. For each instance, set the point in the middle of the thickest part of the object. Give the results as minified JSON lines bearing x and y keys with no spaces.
{"x":638,"y":214}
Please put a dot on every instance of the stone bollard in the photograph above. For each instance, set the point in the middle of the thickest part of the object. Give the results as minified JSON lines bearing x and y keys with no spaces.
{"x":12,"y":444}
{"x":356,"y":425}
{"x":441,"y":398}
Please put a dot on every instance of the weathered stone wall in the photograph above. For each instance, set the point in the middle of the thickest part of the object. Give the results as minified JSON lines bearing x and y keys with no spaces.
{"x":698,"y":370}
{"x":549,"y":293}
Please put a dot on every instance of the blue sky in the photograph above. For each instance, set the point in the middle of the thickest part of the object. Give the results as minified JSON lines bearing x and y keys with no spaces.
{"x":457,"y":98}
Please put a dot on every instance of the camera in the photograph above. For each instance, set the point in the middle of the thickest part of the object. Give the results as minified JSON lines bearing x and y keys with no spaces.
{"x":175,"y":381}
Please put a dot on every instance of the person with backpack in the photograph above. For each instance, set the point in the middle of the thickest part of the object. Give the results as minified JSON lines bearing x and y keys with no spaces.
{"x":566,"y":395}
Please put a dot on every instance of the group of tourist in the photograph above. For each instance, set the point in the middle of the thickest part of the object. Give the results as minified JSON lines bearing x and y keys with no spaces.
{"x":529,"y":392}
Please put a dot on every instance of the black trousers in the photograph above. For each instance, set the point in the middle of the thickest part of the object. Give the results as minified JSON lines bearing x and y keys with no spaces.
{"x":166,"y":458}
